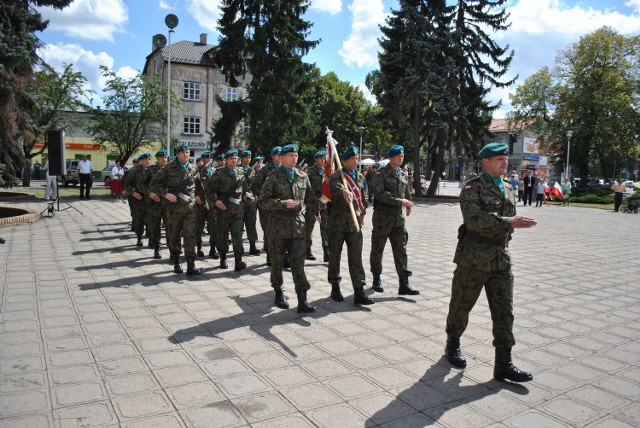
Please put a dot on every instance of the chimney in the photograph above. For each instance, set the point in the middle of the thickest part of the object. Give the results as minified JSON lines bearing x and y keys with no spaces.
{"x":203,"y":38}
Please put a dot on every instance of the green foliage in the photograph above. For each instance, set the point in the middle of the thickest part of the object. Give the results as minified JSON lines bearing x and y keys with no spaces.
{"x":596,"y":191}
{"x":591,"y":198}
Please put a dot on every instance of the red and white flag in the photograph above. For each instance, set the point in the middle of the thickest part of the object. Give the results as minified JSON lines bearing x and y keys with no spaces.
{"x":329,"y":167}
{"x":557,"y":190}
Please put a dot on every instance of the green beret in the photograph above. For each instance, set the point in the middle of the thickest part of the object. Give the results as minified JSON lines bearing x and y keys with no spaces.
{"x":232,"y":152}
{"x":220,"y":157}
{"x":256,"y":160}
{"x":276,"y":150}
{"x":144,"y":156}
{"x":136,"y":159}
{"x":244,"y":153}
{"x":206,"y":154}
{"x":350,"y":152}
{"x":161,"y":153}
{"x":493,"y":149}
{"x":395,"y":150}
{"x":198,"y":160}
{"x":182,"y":148}
{"x":289,"y":148}
{"x":320,"y":154}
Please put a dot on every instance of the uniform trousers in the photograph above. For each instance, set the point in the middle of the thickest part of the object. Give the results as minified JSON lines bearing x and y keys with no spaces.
{"x":180,"y":220}
{"x":398,"y":237}
{"x":354,"y":256}
{"x":229,"y":220}
{"x":296,"y":249}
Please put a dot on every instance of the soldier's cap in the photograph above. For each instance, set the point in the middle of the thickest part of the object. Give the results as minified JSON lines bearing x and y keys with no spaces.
{"x":493,"y":149}
{"x":245,"y":152}
{"x":276,"y":150}
{"x":206,"y":154}
{"x":136,"y":159}
{"x":197,"y":160}
{"x":144,"y":156}
{"x":220,"y":157}
{"x":289,"y":148}
{"x":160,"y":153}
{"x":232,"y":152}
{"x":395,"y":150}
{"x":320,"y":154}
{"x":182,"y":148}
{"x":256,"y":160}
{"x":350,"y":152}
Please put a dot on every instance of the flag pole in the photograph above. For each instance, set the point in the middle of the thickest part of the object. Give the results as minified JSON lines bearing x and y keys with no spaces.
{"x":336,"y":159}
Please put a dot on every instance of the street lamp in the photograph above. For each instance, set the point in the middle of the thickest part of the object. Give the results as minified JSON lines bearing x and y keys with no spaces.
{"x":172,"y":22}
{"x":361,"y":130}
{"x":568,"y":168}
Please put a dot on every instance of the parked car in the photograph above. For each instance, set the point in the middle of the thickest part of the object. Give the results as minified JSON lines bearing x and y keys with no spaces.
{"x":71,"y":176}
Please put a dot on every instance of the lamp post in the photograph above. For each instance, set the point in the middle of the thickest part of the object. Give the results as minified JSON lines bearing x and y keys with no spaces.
{"x":361,"y":130}
{"x":568,"y":168}
{"x":172,"y":22}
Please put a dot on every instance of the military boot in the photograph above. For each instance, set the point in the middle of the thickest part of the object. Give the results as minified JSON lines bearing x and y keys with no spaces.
{"x":239,"y":263}
{"x":199,"y":252}
{"x":285,"y":261}
{"x":303,"y":306}
{"x":223,"y":261}
{"x":310,"y":255}
{"x":139,"y":242}
{"x":405,"y":289}
{"x":213,"y":253}
{"x":269,"y":263}
{"x":281,"y":300}
{"x":377,"y":283}
{"x":253,"y":250}
{"x":360,"y":298}
{"x":336,"y":294}
{"x":504,"y":368}
{"x":156,"y":252}
{"x":176,"y":265}
{"x":454,"y":353}
{"x":191,"y":266}
{"x":325,"y":253}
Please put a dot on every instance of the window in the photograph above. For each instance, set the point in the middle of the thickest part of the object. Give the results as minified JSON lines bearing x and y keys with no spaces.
{"x":191,"y":91}
{"x":191,"y":125}
{"x":232,"y":94}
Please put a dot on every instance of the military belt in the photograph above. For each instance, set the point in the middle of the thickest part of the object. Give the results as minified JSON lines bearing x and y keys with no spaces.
{"x":500,"y":242}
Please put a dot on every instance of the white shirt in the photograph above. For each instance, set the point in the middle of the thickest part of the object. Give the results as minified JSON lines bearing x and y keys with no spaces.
{"x":117,"y":173}
{"x":85,"y":167}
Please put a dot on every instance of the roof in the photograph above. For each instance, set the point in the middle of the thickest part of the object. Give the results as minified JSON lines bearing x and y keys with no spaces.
{"x":499,"y":125}
{"x":189,"y":53}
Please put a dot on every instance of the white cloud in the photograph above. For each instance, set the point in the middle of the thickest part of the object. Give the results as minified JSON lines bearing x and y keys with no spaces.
{"x":331,"y":6}
{"x":88,"y":19}
{"x":361,"y":47}
{"x":205,"y":12}
{"x":127,"y":72}
{"x":165,"y":5}
{"x":634,"y":4}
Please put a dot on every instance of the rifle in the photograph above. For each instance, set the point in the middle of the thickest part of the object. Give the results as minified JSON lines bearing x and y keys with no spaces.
{"x":179,"y":192}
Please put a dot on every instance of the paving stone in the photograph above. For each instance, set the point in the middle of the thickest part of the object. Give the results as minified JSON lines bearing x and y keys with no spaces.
{"x":224,"y":413}
{"x":570,"y":411}
{"x":295,"y":420}
{"x":26,"y":421}
{"x":225,"y":367}
{"x":94,"y":414}
{"x":78,"y":393}
{"x":311,"y":396}
{"x":131,"y":384}
{"x":352,"y":386}
{"x":382,"y":407}
{"x":597,"y":398}
{"x":242,"y":384}
{"x":138,"y":406}
{"x":327,"y":416}
{"x":23,"y":402}
{"x":73,"y":374}
{"x":194,"y":395}
{"x":262,"y":406}
{"x":534,"y":419}
{"x":26,"y":363}
{"x":179,"y":375}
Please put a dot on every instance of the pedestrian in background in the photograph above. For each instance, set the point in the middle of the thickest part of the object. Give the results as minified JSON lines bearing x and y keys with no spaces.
{"x":618,"y":191}
{"x":566,"y":192}
{"x":85,"y":171}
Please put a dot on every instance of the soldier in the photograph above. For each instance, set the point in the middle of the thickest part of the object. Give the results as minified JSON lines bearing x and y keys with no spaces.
{"x":256,"y":163}
{"x":155,"y":210}
{"x":287,"y":194}
{"x":344,"y":230}
{"x":316,"y":175}
{"x":488,"y":207}
{"x":179,"y":183}
{"x":391,"y":192}
{"x":201,"y":211}
{"x":134,"y":188}
{"x":256,"y":189}
{"x":226,"y":190}
{"x":130,"y":199}
{"x":249,"y":204}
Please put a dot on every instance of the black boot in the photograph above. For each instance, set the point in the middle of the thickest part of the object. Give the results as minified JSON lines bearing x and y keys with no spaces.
{"x":504,"y":368}
{"x":156,"y":252}
{"x":336,"y":294}
{"x":310,"y":255}
{"x":405,"y":289}
{"x":325,"y":253}
{"x":360,"y":298}
{"x":223,"y":261}
{"x":454,"y":353}
{"x":191,"y":267}
{"x":213,"y":253}
{"x":139,"y":242}
{"x":285,"y":262}
{"x":239,"y":263}
{"x":268,"y":260}
{"x":149,"y":244}
{"x":303,"y":306}
{"x":377,"y":283}
{"x":253,"y":250}
{"x":281,"y":300}
{"x":176,"y":265}
{"x":199,"y":252}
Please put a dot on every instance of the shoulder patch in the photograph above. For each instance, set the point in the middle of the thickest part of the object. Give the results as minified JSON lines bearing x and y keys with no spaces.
{"x":467,"y":187}
{"x":378,"y":173}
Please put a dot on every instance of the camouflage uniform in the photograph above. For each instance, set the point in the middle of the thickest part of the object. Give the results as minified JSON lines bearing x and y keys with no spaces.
{"x":316,"y":175}
{"x":482,"y":258}
{"x":229,"y":188}
{"x":202,"y":214}
{"x":249,"y":205}
{"x":343,"y":230}
{"x":286,"y":229}
{"x":180,"y":215}
{"x":256,"y":189}
{"x":388,"y":222}
{"x":155,"y":210}
{"x":124,"y":183}
{"x":138,"y":207}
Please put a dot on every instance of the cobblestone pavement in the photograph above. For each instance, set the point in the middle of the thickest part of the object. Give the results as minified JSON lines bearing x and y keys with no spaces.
{"x":94,"y":332}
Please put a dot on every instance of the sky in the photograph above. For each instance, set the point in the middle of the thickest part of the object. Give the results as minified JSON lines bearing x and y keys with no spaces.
{"x":118,"y":34}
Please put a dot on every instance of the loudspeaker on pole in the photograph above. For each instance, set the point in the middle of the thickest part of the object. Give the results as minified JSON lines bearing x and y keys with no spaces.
{"x":57,"y":153}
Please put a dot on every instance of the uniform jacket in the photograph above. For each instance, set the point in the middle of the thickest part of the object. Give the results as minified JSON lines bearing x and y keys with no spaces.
{"x":261,"y":177}
{"x":168,"y":179}
{"x":249,"y":176}
{"x":339,"y":215}
{"x":485,"y":234}
{"x":388,"y":188}
{"x":134,"y":180}
{"x":146,"y":182}
{"x":316,"y":175}
{"x":286,"y":222}
{"x":223,"y":185}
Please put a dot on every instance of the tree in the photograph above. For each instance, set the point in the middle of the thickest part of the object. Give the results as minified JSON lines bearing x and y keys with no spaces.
{"x":133,"y":114}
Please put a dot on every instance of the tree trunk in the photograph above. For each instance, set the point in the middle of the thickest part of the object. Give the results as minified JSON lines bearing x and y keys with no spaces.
{"x":416,"y":149}
{"x":437,"y":170}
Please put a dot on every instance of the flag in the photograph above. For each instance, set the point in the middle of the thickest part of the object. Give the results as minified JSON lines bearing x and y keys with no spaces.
{"x":328,"y":168}
{"x":557,"y":190}
{"x":356,"y":191}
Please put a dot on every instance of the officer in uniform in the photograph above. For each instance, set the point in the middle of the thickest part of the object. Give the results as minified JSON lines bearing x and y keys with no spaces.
{"x":134,"y":188}
{"x":488,"y":207}
{"x":256,"y":163}
{"x":287,"y":194}
{"x":155,"y":210}
{"x":390,"y":187}
{"x":344,"y":230}
{"x":256,"y":189}
{"x":249,"y":203}
{"x":179,"y":184}
{"x":316,"y":175}
{"x":125,"y":181}
{"x":201,"y":211}
{"x":226,"y":190}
